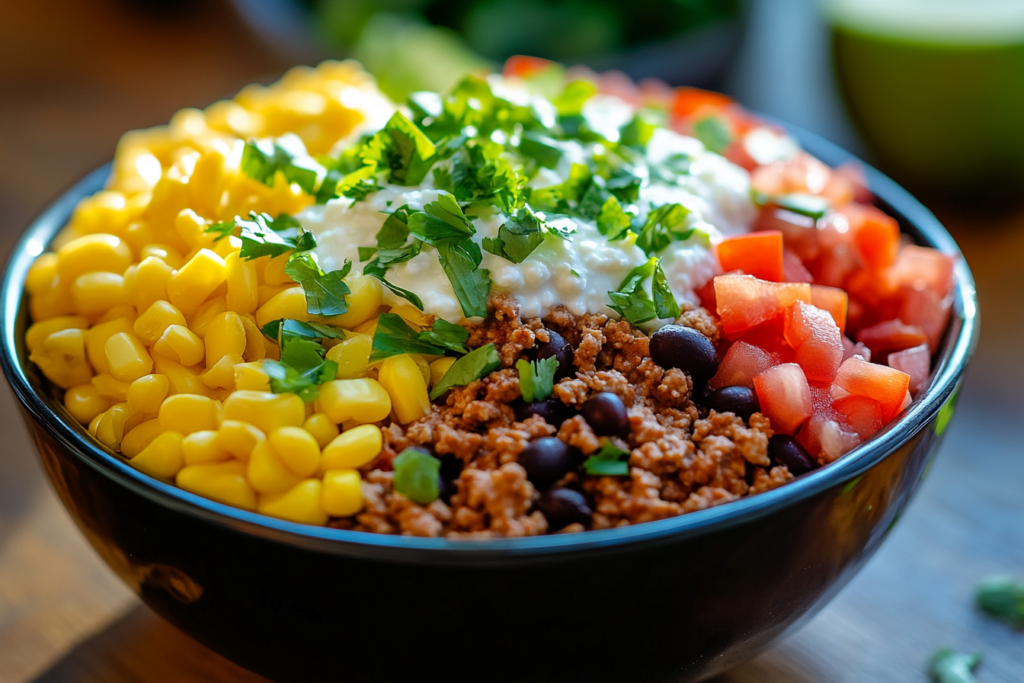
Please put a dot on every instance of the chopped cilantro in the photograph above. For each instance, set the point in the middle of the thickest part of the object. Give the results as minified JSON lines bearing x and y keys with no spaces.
{"x":265,"y":236}
{"x":563,"y":197}
{"x":441,"y":220}
{"x":542,"y":149}
{"x":808,"y":205}
{"x":714,"y":132}
{"x":417,"y":475}
{"x":262,"y":160}
{"x":285,"y":329}
{"x":471,"y":367}
{"x":302,"y":366}
{"x":665,"y":303}
{"x":481,"y":172}
{"x":328,"y":189}
{"x":472,"y":284}
{"x":948,"y":666}
{"x":637,"y":133}
{"x":402,"y":150}
{"x":660,"y":228}
{"x":409,"y":296}
{"x":325,"y":292}
{"x":625,"y":184}
{"x":221,"y":229}
{"x":286,"y":379}
{"x":359,"y":190}
{"x":574,"y":273}
{"x":518,"y":237}
{"x":607,"y":461}
{"x":537,"y":378}
{"x":572,"y":98}
{"x":613,"y":222}
{"x":366,"y":253}
{"x":1003,"y":598}
{"x":631,"y":301}
{"x":394,"y":337}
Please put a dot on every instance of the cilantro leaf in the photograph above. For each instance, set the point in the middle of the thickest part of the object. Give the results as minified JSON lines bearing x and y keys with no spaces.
{"x":374,"y":270}
{"x":285,"y":329}
{"x":446,"y":335}
{"x":302,"y":366}
{"x":395,"y":231}
{"x":1003,"y":598}
{"x":440,"y":220}
{"x":562,"y":198}
{"x":570,"y":101}
{"x":402,"y":150}
{"x":221,"y":229}
{"x":472,"y":284}
{"x":286,"y":379}
{"x":471,"y":367}
{"x":948,"y":666}
{"x":325,"y":292}
{"x":638,"y":132}
{"x":664,"y":301}
{"x":714,"y":132}
{"x":359,"y":190}
{"x":394,"y":337}
{"x":481,"y":172}
{"x":624,"y":183}
{"x":328,"y":189}
{"x":660,"y":228}
{"x":262,"y":160}
{"x":265,"y":236}
{"x":417,"y":475}
{"x":631,"y":301}
{"x":521,"y":233}
{"x":542,"y":149}
{"x":613,"y":222}
{"x":607,"y":461}
{"x":366,"y":253}
{"x":537,"y":378}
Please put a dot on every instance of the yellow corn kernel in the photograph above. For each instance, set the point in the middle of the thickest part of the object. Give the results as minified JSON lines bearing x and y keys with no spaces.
{"x":223,"y":482}
{"x":224,"y":337}
{"x":126,"y":311}
{"x":265,"y":293}
{"x":342,"y":493}
{"x":265,"y":410}
{"x":191,"y":229}
{"x":362,"y":400}
{"x":138,"y":234}
{"x":321,"y":427}
{"x":38,"y":332}
{"x":297,"y":448}
{"x":61,"y":357}
{"x":111,"y":427}
{"x":110,"y":388}
{"x":41,"y":273}
{"x":52,"y":301}
{"x":300,"y":503}
{"x":170,"y":196}
{"x":273,"y":271}
{"x":187,"y":413}
{"x":411,"y":315}
{"x":363,"y":302}
{"x":94,"y":424}
{"x":423,"y":365}
{"x":127,"y":357}
{"x":152,"y":324}
{"x":102,"y":212}
{"x":439,"y":368}
{"x":255,"y":343}
{"x":84,"y":402}
{"x":208,"y":181}
{"x":165,"y":252}
{"x":352,"y":356}
{"x":147,"y":393}
{"x":368,"y":328}
{"x":402,"y":379}
{"x":141,"y":436}
{"x":94,"y":293}
{"x":353,"y":448}
{"x":291,"y":304}
{"x":196,"y":280}
{"x":243,"y":284}
{"x":267,"y":473}
{"x":200,"y":321}
{"x":180,"y":344}
{"x":222,"y":374}
{"x":152,"y":278}
{"x":239,"y":438}
{"x":92,"y":253}
{"x":182,"y":380}
{"x":96,"y":340}
{"x":162,"y":458}
{"x":250,"y":377}
{"x":202,"y":447}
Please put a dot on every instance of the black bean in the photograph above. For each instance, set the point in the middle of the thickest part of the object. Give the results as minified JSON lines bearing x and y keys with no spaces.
{"x":606,"y":414}
{"x":740,"y":401}
{"x":552,"y":410}
{"x":546,"y":460}
{"x":563,"y":506}
{"x":451,"y":468}
{"x":785,"y":450}
{"x":675,"y":346}
{"x":557,"y":347}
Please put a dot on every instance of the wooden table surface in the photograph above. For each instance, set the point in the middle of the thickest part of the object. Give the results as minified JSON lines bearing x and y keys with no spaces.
{"x":75,"y":74}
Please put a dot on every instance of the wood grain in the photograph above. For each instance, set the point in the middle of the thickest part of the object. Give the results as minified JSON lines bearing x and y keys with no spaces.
{"x":75,"y":75}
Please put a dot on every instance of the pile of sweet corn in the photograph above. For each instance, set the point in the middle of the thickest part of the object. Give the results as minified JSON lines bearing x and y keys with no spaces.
{"x":152,"y":328}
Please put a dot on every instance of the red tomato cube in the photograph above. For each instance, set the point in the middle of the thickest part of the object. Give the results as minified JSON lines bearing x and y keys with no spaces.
{"x":876,"y":235}
{"x":744,"y":301}
{"x":862,"y":414}
{"x":756,"y":253}
{"x":850,"y":350}
{"x":793,"y":269}
{"x":891,"y":335}
{"x":925,"y":309}
{"x":814,"y":335}
{"x":923,"y":268}
{"x":915,"y":361}
{"x":740,"y":364}
{"x":524,"y":66}
{"x":833,"y":300}
{"x":689,"y":102}
{"x":785,"y":396}
{"x":883,"y":384}
{"x":826,"y":439}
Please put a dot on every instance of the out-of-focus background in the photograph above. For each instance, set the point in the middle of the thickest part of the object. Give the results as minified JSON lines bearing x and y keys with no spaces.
{"x":930,"y":90}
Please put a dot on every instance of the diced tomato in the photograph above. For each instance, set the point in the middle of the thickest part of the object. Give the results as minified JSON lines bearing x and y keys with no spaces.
{"x":862,"y":414}
{"x":878,"y":382}
{"x":916,"y":362}
{"x":833,"y":300}
{"x":814,"y":335}
{"x":925,"y":309}
{"x":691,"y":101}
{"x":891,"y":335}
{"x":740,"y":364}
{"x":793,"y":268}
{"x":768,"y":336}
{"x":798,"y":231}
{"x":523,"y":66}
{"x":743,"y":301}
{"x":850,"y":350}
{"x":618,"y":84}
{"x":656,"y":93}
{"x":876,"y":235}
{"x":923,"y":268}
{"x":800,"y":174}
{"x":755,"y":253}
{"x":834,"y":439}
{"x":785,"y":396}
{"x":737,"y":153}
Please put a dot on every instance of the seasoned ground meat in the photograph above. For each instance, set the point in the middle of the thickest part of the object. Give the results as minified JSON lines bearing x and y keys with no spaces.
{"x":672,"y":460}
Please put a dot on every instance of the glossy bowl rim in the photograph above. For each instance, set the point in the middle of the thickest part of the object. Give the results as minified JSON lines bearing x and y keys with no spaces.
{"x":955,"y":352}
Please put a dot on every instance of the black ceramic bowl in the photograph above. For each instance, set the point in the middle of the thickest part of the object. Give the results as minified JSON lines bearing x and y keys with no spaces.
{"x":676,"y":600}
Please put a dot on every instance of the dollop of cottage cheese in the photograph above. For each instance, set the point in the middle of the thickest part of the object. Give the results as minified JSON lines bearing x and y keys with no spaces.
{"x":577,"y":272}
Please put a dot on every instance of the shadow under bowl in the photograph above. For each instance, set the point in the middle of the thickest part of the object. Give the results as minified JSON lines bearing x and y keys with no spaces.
{"x":680,"y":599}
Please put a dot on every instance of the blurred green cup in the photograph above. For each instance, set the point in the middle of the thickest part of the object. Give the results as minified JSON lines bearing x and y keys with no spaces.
{"x":936,"y":88}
